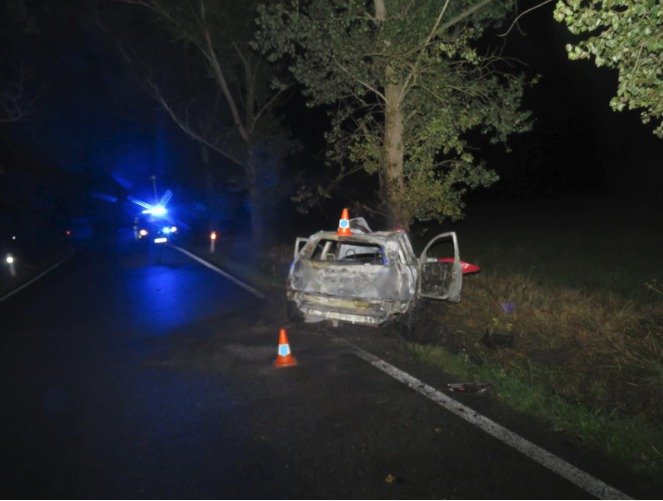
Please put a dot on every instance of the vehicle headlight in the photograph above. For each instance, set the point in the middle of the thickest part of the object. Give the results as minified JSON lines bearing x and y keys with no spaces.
{"x":142,"y":233}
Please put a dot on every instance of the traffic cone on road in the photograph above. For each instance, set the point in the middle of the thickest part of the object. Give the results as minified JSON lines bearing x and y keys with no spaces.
{"x":284,"y":357}
{"x":344,"y":224}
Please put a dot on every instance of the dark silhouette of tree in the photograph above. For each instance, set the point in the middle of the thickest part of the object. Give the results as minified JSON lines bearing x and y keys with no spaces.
{"x":221,"y":96}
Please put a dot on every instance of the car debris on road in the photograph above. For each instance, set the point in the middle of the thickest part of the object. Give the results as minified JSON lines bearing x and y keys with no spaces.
{"x":468,"y":387}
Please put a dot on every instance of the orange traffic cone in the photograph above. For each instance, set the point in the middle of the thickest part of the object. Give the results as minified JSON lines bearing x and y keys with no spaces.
{"x":344,"y":224}
{"x":284,"y":358}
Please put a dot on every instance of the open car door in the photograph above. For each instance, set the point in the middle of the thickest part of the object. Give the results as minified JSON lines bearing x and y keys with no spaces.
{"x":440,"y":279}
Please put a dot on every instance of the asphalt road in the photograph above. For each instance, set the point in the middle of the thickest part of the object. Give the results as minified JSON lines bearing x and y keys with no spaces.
{"x":131,"y":374}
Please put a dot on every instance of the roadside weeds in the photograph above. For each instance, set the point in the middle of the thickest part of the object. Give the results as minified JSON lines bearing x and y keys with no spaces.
{"x":587,"y":364}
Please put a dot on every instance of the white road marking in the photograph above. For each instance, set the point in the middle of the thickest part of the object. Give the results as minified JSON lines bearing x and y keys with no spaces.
{"x":234,"y":280}
{"x":585,"y":481}
{"x":35,"y":278}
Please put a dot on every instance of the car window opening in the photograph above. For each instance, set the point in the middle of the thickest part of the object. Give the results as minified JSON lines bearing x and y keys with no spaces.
{"x":348,"y":252}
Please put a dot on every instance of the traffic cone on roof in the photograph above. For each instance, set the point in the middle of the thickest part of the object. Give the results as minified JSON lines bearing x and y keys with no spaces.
{"x":284,"y":357}
{"x":344,"y":224}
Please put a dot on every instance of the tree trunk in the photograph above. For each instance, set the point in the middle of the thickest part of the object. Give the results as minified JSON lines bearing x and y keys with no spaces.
{"x":212,"y":218}
{"x":255,"y":190}
{"x":393,"y":182}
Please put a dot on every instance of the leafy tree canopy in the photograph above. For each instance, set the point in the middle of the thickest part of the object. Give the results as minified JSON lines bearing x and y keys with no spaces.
{"x":407,"y":84}
{"x":626,"y":35}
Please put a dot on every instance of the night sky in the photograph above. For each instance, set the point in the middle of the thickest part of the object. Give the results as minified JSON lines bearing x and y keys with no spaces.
{"x":93,"y":120}
{"x":578,"y":144}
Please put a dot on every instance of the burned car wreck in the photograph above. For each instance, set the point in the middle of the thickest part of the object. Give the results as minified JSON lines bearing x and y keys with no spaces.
{"x":360,"y":276}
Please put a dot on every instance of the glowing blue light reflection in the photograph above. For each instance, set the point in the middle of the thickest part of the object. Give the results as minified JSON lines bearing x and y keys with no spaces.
{"x":156,"y":211}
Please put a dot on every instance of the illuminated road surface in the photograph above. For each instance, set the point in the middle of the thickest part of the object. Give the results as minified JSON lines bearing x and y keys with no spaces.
{"x":129,"y":374}
{"x":86,"y":409}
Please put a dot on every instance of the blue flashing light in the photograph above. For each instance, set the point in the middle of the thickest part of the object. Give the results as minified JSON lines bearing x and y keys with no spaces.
{"x":140,"y":203}
{"x":165,"y":198}
{"x":157,"y":211}
{"x":166,"y":229}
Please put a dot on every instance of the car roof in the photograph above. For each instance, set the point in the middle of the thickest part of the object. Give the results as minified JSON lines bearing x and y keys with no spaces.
{"x":373,"y":236}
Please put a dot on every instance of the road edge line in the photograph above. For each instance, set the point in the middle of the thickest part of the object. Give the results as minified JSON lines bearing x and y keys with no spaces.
{"x":580,"y":478}
{"x":209,"y":265}
{"x":15,"y":291}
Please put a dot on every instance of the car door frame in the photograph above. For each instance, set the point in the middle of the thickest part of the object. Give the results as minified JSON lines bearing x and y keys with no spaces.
{"x":298,"y":245}
{"x":456,"y":275}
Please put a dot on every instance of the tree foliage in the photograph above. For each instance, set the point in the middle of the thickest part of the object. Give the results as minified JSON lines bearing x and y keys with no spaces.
{"x":17,"y":98}
{"x":626,"y":35}
{"x":407,"y":85}
{"x":223,"y":98}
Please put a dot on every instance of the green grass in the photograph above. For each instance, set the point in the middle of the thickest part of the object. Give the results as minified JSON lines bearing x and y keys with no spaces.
{"x":632,"y":440}
{"x":585,"y":338}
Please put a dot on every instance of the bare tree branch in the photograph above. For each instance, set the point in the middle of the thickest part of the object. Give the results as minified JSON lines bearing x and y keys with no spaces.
{"x":412,"y":76}
{"x":269,"y":103}
{"x":15,"y":104}
{"x":361,"y":82}
{"x":521,"y":15}
{"x":207,"y":50}
{"x":250,"y":80}
{"x":210,"y":55}
{"x":466,"y":13}
{"x":154,"y":7}
{"x":183,"y":123}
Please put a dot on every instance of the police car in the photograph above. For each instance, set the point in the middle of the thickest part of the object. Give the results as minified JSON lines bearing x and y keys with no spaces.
{"x":153,"y":229}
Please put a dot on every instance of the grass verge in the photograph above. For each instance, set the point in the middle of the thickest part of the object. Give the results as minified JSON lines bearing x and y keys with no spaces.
{"x":586,"y":363}
{"x":630,"y":440}
{"x":566,"y":320}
